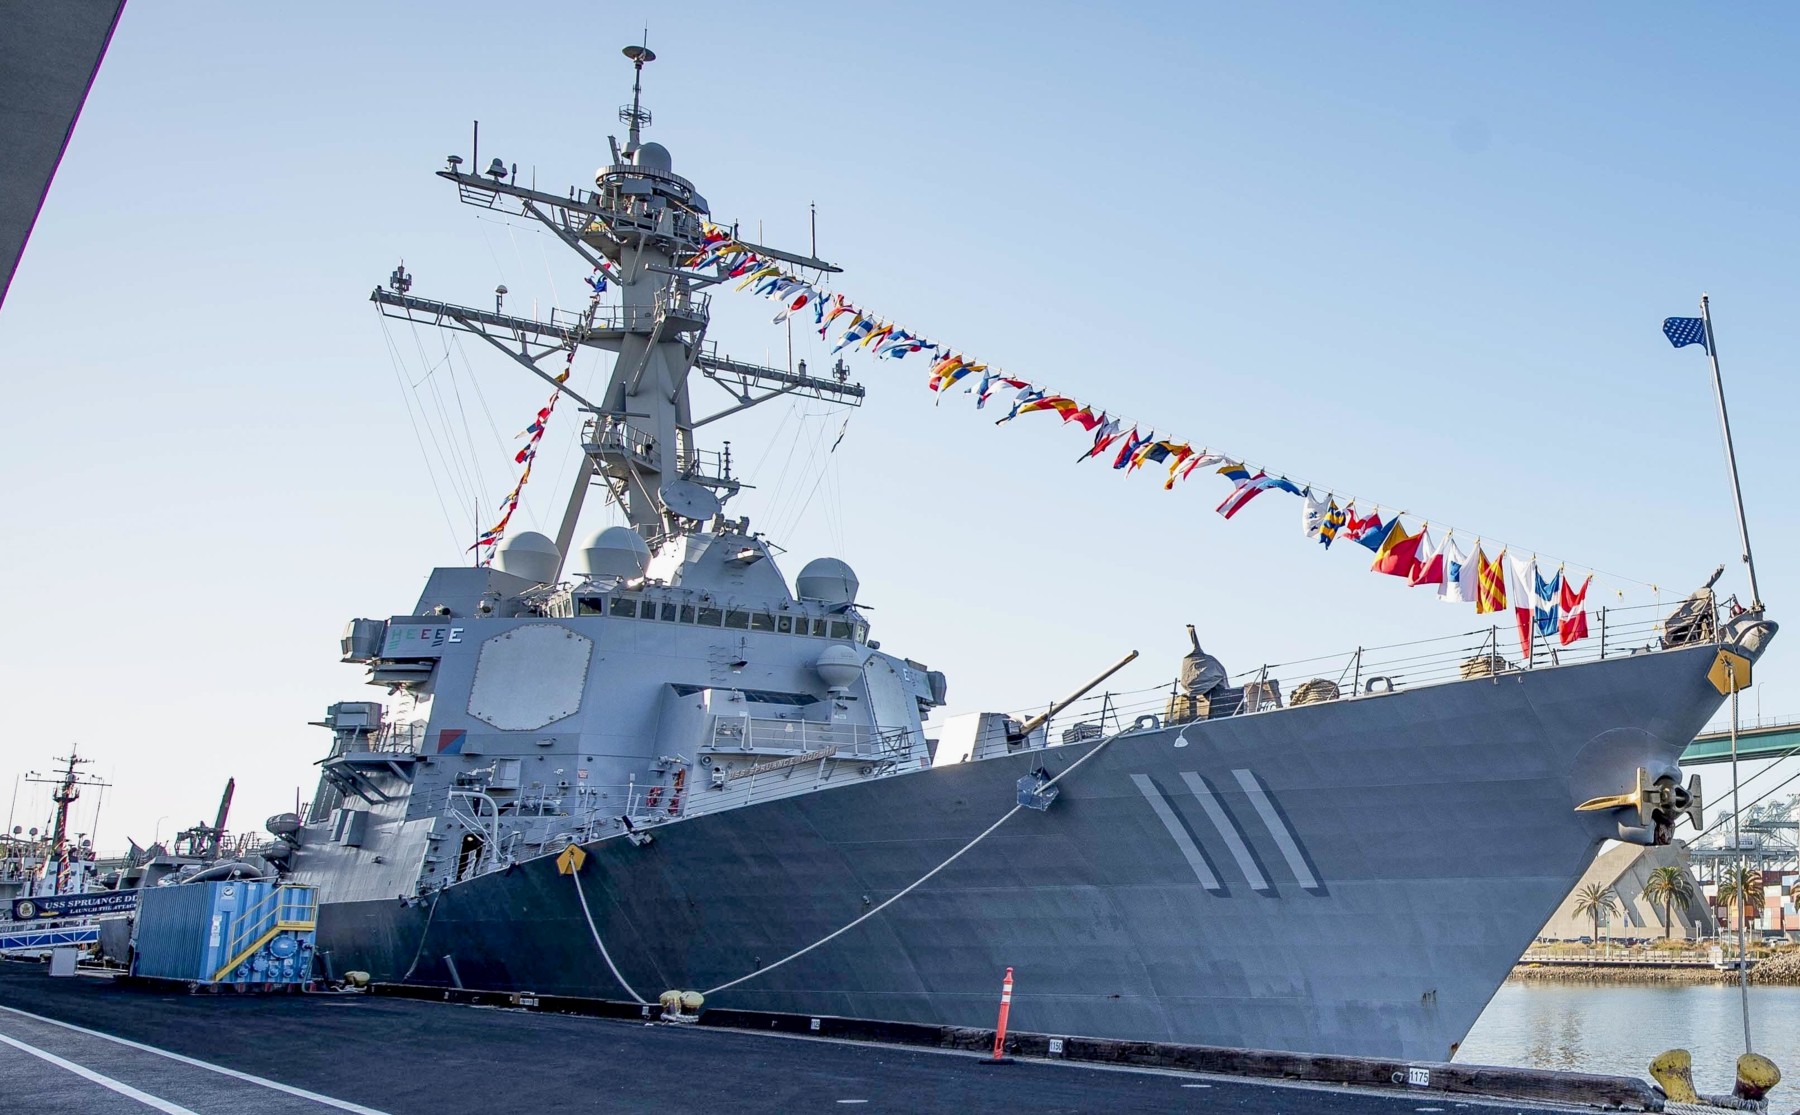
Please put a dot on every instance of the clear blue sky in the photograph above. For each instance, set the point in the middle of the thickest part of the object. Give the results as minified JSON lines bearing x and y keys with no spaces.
{"x":1419,"y":252}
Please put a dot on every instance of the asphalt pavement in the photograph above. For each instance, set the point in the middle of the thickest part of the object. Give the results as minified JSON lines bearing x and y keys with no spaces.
{"x":87,"y":1045}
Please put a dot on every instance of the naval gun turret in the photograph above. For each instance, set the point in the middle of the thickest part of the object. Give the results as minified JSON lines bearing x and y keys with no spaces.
{"x":1202,"y":689}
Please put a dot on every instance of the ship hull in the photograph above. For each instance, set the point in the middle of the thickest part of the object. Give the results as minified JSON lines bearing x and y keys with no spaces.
{"x":1353,"y":877}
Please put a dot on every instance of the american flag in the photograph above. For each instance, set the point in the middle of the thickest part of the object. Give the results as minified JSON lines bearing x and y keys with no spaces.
{"x":1684,"y":331}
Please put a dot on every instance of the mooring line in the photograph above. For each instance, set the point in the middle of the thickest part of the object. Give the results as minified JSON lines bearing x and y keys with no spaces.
{"x":915,"y":885}
{"x":601,"y":945}
{"x":423,"y":934}
{"x":1743,"y":959}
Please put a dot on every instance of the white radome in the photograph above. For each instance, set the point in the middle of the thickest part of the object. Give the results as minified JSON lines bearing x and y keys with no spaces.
{"x":654,"y":156}
{"x":616,"y":552}
{"x":530,"y":555}
{"x":828,"y":581}
{"x":839,"y":665}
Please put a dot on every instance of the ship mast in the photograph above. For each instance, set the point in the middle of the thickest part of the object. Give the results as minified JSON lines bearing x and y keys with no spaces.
{"x":636,"y":228}
{"x":60,"y":860}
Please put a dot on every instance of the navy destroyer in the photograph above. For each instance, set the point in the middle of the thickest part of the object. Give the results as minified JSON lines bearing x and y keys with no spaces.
{"x":649,"y":761}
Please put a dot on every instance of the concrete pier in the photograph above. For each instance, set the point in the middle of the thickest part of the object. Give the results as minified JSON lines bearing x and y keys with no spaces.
{"x":87,"y":1044}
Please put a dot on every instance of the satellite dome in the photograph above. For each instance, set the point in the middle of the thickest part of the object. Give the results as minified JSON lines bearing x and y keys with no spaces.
{"x":616,"y":552}
{"x":529,"y":555}
{"x":654,"y":156}
{"x":840,"y":665}
{"x":827,"y":581}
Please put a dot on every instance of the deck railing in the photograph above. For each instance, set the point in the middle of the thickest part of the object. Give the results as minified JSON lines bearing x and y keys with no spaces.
{"x":1496,"y":649}
{"x":751,"y":735}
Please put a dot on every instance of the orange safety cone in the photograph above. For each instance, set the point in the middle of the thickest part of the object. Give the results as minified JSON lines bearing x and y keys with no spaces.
{"x":1000,"y":1027}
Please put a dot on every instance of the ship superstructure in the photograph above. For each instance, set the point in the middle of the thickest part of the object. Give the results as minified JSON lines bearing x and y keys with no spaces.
{"x":674,"y":672}
{"x":744,"y":778}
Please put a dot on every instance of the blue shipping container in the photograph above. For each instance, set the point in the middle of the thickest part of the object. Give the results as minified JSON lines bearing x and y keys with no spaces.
{"x":237,"y":931}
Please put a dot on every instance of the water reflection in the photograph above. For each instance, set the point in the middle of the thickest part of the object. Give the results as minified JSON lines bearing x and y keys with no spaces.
{"x":1552,"y":1033}
{"x":1585,"y":1028}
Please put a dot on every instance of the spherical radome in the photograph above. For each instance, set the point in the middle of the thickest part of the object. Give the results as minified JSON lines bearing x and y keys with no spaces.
{"x":839,"y":665}
{"x":654,"y":156}
{"x":530,"y":555}
{"x":827,"y":581}
{"x":616,"y":552}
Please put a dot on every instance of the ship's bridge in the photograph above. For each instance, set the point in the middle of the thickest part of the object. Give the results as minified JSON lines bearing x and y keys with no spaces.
{"x":675,"y":604}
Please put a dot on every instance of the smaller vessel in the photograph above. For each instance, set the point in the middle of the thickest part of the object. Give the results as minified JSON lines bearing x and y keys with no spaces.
{"x":51,"y":868}
{"x":57,"y":892}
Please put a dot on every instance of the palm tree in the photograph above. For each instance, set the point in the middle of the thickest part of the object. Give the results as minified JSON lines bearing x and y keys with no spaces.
{"x":1669,"y":885}
{"x":1594,"y":900}
{"x":1741,"y":887}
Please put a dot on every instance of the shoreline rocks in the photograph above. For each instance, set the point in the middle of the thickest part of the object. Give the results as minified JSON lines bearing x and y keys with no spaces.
{"x":1528,"y":972}
{"x":1780,"y":970}
{"x":1783,"y":968}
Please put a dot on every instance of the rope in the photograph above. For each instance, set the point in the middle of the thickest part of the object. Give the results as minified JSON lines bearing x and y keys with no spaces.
{"x":418,"y":435}
{"x":468,"y":494}
{"x":915,"y":885}
{"x":604,"y":955}
{"x":1771,"y":792}
{"x":823,"y":293}
{"x":1762,"y":797}
{"x":423,"y":934}
{"x":1743,"y":959}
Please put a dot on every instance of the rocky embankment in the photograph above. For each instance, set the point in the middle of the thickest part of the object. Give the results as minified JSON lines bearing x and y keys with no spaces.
{"x":1526,"y":971}
{"x":1781,"y":969}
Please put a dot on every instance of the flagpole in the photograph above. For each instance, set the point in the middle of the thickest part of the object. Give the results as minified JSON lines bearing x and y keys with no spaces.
{"x":1737,"y":490}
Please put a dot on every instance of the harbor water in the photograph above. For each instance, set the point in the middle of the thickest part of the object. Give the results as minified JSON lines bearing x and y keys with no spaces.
{"x":1617,"y":1029}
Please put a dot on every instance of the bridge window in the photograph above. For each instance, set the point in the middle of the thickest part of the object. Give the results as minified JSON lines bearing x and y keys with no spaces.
{"x":762,"y":621}
{"x":624,"y":607}
{"x":687,"y":613}
{"x":711,"y":617}
{"x":669,"y":612}
{"x":785,"y":624}
{"x":737,"y":618}
{"x":840,"y":629}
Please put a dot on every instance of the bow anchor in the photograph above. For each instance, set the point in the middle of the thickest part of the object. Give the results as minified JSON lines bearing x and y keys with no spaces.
{"x":1661,"y":802}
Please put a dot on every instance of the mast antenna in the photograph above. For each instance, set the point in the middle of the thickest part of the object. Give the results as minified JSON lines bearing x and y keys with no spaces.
{"x":636,"y":117}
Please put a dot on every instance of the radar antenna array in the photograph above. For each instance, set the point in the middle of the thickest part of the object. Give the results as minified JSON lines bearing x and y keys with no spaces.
{"x":637,"y":230}
{"x":634,"y":115}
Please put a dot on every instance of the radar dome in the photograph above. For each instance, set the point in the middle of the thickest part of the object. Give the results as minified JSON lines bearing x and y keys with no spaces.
{"x":827,"y":581}
{"x":529,"y":555}
{"x":840,"y":665}
{"x":616,"y":552}
{"x":654,"y":156}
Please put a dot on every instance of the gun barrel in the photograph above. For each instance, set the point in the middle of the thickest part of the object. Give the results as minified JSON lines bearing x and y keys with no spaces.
{"x":1043,"y":718}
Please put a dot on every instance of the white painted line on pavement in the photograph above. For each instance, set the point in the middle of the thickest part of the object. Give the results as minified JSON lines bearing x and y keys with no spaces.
{"x":106,"y":1082}
{"x":273,"y":1085}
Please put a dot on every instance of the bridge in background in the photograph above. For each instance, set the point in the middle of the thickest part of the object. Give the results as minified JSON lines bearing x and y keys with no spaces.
{"x":1761,"y":740}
